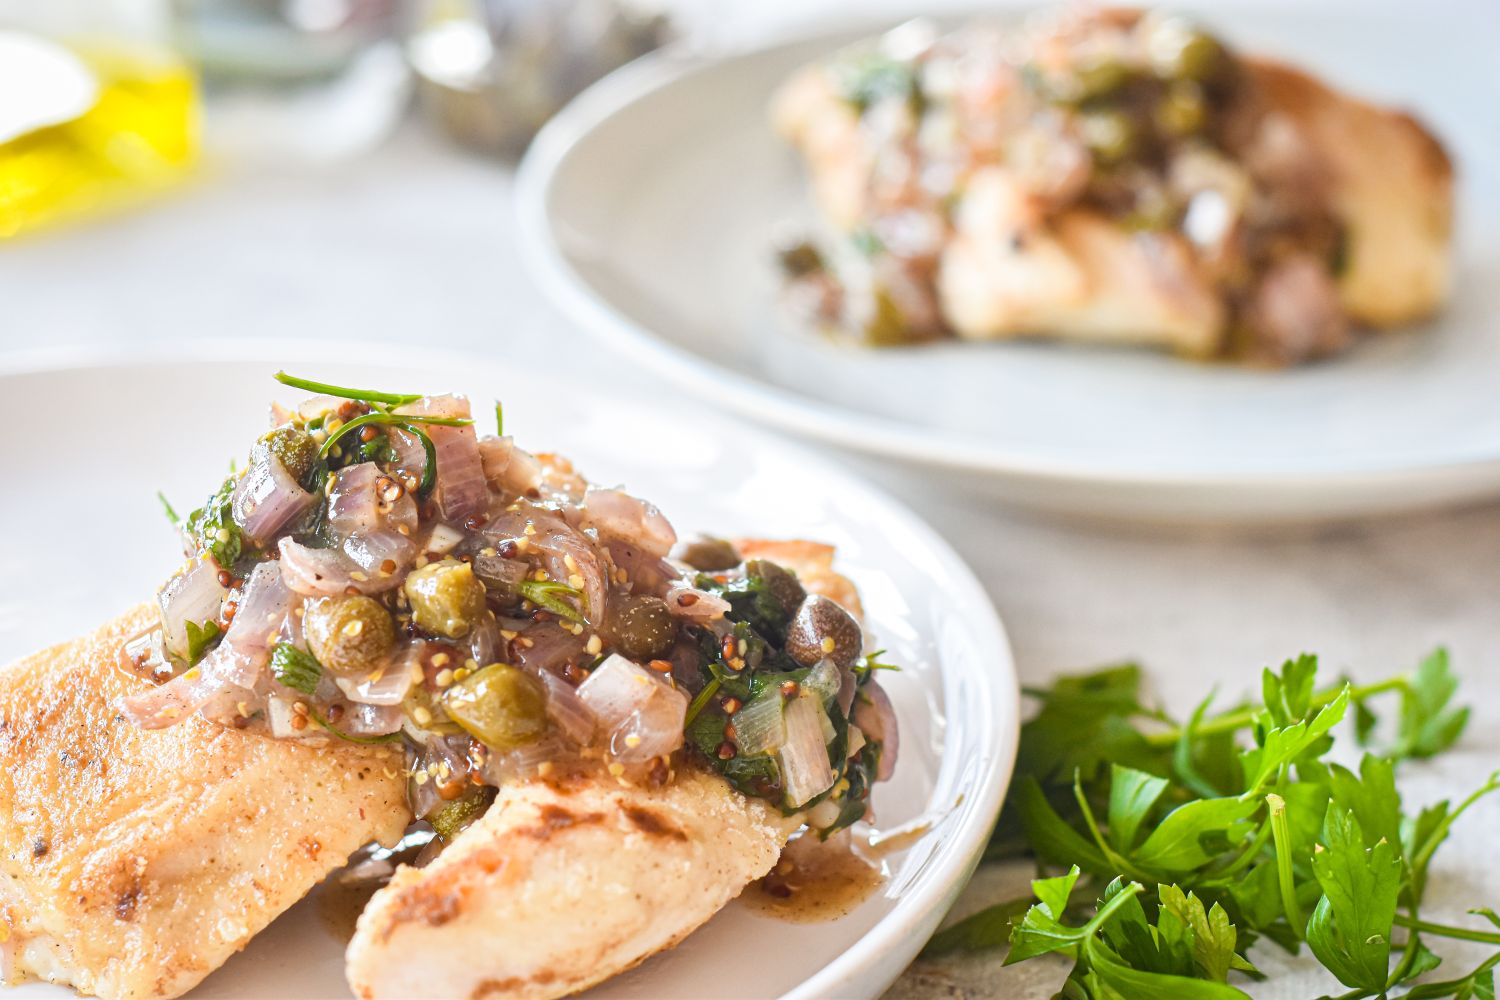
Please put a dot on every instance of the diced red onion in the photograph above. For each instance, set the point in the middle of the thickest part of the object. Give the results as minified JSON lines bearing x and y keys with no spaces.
{"x":617,"y":514}
{"x":570,"y":713}
{"x":279,"y":716}
{"x":642,"y":714}
{"x":555,"y":542}
{"x":876,"y":717}
{"x":462,"y":490}
{"x":411,"y":457}
{"x":263,"y":607}
{"x":508,"y":468}
{"x":695,"y":605}
{"x":371,"y":720}
{"x":380,"y":553}
{"x":443,"y":539}
{"x":484,"y":640}
{"x":387,"y":685}
{"x":230,"y":665}
{"x":498,"y":573}
{"x":546,"y":646}
{"x":522,"y":763}
{"x":169,"y":703}
{"x":327,"y":572}
{"x":805,"y":771}
{"x":193,"y":595}
{"x":267,"y":499}
{"x":648,"y":574}
{"x":317,"y":406}
{"x":353,"y":504}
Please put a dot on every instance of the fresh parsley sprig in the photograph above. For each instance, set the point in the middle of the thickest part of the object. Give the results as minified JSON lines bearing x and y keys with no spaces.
{"x":1198,"y":839}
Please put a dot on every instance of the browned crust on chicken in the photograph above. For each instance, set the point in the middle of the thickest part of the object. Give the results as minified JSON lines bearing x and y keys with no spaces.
{"x":134,"y":863}
{"x":1392,"y":187}
{"x":561,"y":886}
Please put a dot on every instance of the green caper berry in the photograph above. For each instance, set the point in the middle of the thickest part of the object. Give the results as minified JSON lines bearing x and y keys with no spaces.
{"x":1109,"y":134}
{"x":640,"y":627}
{"x":293,"y":447}
{"x":348,"y":635}
{"x":709,"y":555}
{"x":446,"y":598}
{"x":501,"y":706}
{"x":1182,"y":110}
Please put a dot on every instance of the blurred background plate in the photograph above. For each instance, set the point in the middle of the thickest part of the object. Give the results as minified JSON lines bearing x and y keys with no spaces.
{"x":649,"y":207}
{"x":171,"y":419}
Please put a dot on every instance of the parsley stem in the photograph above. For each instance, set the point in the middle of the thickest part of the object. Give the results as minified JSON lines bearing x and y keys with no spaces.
{"x":343,"y":392}
{"x":709,"y":690}
{"x":1445,"y":930}
{"x":1239,"y":719}
{"x":1281,"y":833}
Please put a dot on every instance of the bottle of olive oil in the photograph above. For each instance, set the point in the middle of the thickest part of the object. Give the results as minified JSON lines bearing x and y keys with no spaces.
{"x":88,"y":123}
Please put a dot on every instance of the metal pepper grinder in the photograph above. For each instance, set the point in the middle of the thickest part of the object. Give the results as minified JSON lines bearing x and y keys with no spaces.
{"x":491,"y":72}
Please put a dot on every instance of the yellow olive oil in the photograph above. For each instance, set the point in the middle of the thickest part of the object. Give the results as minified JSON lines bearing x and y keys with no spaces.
{"x":139,"y":134}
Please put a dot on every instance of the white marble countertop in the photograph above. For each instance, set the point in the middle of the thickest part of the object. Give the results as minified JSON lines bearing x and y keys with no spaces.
{"x":412,"y":242}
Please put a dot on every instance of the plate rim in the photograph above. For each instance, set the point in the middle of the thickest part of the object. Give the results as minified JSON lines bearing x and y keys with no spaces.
{"x":766,"y":404}
{"x":997,"y":682}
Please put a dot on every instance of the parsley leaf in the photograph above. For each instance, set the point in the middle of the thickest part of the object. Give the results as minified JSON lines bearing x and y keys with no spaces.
{"x":1350,"y":930}
{"x":295,"y":668}
{"x":200,"y":638}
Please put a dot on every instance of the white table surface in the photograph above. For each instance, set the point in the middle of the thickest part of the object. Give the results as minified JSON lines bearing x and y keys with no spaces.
{"x":410,"y":244}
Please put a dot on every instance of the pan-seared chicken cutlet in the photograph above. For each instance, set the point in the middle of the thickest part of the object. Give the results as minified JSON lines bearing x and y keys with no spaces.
{"x":134,"y":863}
{"x":602,"y":727}
{"x":563,"y":884}
{"x":573,"y":877}
{"x":1111,"y":176}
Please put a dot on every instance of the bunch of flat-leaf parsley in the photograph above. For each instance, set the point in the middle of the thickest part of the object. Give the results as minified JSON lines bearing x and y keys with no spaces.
{"x":1185,"y":844}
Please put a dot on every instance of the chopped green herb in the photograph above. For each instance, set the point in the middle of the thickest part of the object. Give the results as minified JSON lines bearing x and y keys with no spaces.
{"x":349,"y":738}
{"x":200,"y":638}
{"x":212,"y":529}
{"x":295,"y":668}
{"x":499,"y":419}
{"x":553,"y":596}
{"x":167,"y":507}
{"x":343,"y":392}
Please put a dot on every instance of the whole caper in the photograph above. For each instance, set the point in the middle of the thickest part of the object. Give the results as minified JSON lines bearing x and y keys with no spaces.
{"x":780,"y":582}
{"x":640,"y":627}
{"x":501,"y":706}
{"x":1181,"y":52}
{"x":446,"y":598}
{"x":821,"y":629}
{"x":348,"y":635}
{"x":1182,"y":110}
{"x":1109,"y":134}
{"x":709,"y":554}
{"x":293,"y":447}
{"x":1099,"y":78}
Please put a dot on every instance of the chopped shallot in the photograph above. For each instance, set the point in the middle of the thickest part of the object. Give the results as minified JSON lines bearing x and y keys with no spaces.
{"x":170,"y":703}
{"x":569,"y":712}
{"x":193,"y":595}
{"x":267,"y":500}
{"x":876,"y":717}
{"x":619,"y":515}
{"x":643,"y":714}
{"x":462,"y":491}
{"x":805,"y":771}
{"x":694,"y":604}
{"x":327,"y":572}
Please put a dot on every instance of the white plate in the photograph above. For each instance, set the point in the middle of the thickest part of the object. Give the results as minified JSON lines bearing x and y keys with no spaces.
{"x":88,"y":540}
{"x":649,"y":206}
